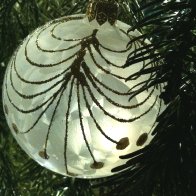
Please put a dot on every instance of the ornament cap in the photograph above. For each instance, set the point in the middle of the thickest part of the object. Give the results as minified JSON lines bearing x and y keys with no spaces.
{"x":103,"y":11}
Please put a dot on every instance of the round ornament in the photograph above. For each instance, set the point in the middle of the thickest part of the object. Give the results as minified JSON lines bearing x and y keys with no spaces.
{"x":66,"y":98}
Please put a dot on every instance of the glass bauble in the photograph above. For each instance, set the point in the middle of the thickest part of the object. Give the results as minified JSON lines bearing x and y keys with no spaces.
{"x":66,"y":99}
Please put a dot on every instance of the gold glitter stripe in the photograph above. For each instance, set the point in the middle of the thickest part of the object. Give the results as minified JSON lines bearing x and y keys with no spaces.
{"x":43,"y":112}
{"x":87,"y":71}
{"x":117,"y":104}
{"x":100,"y":67}
{"x":118,"y":51}
{"x":45,"y":65}
{"x":81,"y":123}
{"x":63,"y":21}
{"x":94,"y":119}
{"x":112,"y":116}
{"x":52,"y":118}
{"x":52,"y":51}
{"x":36,"y":94}
{"x":36,"y":82}
{"x":67,"y":125}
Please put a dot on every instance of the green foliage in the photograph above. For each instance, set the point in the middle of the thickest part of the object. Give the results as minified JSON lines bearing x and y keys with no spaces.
{"x":168,"y":165}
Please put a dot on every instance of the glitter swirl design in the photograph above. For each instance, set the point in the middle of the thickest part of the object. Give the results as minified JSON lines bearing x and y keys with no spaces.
{"x":74,"y":76}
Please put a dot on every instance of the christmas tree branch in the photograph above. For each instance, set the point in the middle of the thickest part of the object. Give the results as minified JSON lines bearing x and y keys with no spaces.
{"x":167,"y":165}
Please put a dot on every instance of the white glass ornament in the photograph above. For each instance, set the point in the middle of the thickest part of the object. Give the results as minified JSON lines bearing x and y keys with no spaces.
{"x":66,"y":100}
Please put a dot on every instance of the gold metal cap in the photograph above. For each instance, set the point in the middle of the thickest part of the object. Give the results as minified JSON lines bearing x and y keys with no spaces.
{"x":103,"y":11}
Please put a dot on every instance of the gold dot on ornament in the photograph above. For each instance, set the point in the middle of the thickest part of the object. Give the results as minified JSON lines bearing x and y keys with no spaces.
{"x":15,"y":128}
{"x":142,"y":139}
{"x":122,"y":144}
{"x":6,"y":109}
{"x":43,"y":155}
{"x":97,"y":165}
{"x":72,"y":174}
